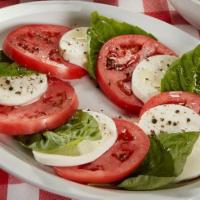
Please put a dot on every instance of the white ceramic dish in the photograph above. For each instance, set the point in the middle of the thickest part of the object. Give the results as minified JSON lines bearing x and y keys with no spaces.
{"x":19,"y":162}
{"x":189,"y":9}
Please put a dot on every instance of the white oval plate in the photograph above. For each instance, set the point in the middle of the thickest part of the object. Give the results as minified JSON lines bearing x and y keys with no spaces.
{"x":20,"y":162}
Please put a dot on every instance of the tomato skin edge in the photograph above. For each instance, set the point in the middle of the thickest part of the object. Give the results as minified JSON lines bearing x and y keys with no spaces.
{"x":34,"y":65}
{"x":109,"y":78}
{"x":184,"y":98}
{"x":31,"y":126}
{"x":103,"y":177}
{"x":10,"y":128}
{"x":130,"y":109}
{"x":71,"y":71}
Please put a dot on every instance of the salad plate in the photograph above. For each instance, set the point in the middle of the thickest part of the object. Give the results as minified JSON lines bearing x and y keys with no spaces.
{"x":19,"y":162}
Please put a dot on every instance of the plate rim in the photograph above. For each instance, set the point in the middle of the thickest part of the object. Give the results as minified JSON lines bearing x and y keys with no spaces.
{"x":11,"y":159}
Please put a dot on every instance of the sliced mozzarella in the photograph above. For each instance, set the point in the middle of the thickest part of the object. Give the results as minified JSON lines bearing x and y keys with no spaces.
{"x":169,"y":118}
{"x":173,"y":118}
{"x":147,"y":76}
{"x":21,"y":90}
{"x":73,"y":46}
{"x":89,"y":150}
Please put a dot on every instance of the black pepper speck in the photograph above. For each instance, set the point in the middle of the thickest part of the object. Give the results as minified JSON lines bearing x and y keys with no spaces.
{"x":10,"y":88}
{"x":174,"y":124}
{"x":169,"y":122}
{"x":188,"y":119}
{"x":18,"y":92}
{"x":154,"y":121}
{"x":7,"y":82}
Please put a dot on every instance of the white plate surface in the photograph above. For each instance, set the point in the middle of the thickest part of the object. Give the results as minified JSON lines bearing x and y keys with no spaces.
{"x":19,"y":162}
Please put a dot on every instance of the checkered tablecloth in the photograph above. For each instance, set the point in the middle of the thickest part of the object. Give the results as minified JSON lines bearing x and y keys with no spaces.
{"x":12,"y":188}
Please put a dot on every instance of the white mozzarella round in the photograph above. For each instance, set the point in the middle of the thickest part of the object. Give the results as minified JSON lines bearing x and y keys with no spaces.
{"x":173,"y":118}
{"x":21,"y":90}
{"x":89,"y":150}
{"x":73,"y":46}
{"x":147,"y":76}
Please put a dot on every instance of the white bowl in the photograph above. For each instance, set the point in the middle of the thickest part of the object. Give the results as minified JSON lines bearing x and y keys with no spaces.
{"x":189,"y":9}
{"x":18,"y":161}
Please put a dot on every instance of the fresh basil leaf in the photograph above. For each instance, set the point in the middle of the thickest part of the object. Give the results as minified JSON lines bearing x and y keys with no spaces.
{"x":10,"y":68}
{"x":92,"y":53}
{"x":103,"y":29}
{"x":184,"y":73}
{"x":64,"y":139}
{"x":196,"y":56}
{"x":158,"y":161}
{"x":157,"y":171}
{"x":179,"y":145}
{"x":146,"y":182}
{"x":13,"y":69}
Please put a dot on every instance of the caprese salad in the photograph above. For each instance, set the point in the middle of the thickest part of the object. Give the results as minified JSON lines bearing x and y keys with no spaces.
{"x":39,"y":107}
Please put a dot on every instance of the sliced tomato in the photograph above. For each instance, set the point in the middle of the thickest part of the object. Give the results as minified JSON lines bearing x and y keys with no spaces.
{"x":188,"y":99}
{"x":118,"y":162}
{"x":116,"y":62}
{"x":36,"y":47}
{"x":53,"y":109}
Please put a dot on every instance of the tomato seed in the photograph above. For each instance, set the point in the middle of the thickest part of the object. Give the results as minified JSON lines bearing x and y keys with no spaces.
{"x":120,"y":58}
{"x":125,"y":87}
{"x":54,"y":55}
{"x":125,"y":135}
{"x":91,"y":167}
{"x":122,"y":155}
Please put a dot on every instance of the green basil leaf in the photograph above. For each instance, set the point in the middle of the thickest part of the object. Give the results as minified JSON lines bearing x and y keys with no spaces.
{"x":158,"y":161}
{"x":64,"y":139}
{"x":196,"y":56}
{"x":13,"y":69}
{"x":184,"y":73}
{"x":164,"y":162}
{"x":146,"y":182}
{"x":179,"y":145}
{"x":103,"y":29}
{"x":10,"y":68}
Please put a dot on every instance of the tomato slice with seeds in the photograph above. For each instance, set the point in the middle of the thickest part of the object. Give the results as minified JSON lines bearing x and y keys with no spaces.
{"x":187,"y":99}
{"x":116,"y":62}
{"x":52,"y":110}
{"x":36,"y":47}
{"x":118,"y":162}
